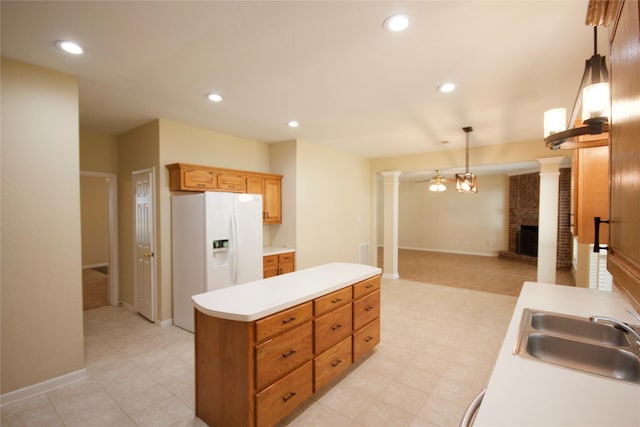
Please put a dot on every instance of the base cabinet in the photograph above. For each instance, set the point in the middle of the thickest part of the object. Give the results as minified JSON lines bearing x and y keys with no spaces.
{"x":256,"y":373}
{"x":273,"y":265}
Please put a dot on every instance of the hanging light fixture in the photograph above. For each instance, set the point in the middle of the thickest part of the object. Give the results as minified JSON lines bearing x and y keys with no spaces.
{"x":592,"y":129}
{"x":437,"y":183}
{"x":467,"y":182}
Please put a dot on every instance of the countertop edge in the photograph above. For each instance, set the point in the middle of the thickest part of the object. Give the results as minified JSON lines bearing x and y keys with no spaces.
{"x":279,"y":292}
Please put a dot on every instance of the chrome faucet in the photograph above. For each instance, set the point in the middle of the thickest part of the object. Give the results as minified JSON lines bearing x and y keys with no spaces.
{"x":618,"y":323}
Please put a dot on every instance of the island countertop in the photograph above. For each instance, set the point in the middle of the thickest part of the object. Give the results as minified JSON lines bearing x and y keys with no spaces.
{"x":255,"y":300}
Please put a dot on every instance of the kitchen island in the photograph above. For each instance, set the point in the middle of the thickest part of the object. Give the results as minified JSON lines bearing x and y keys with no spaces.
{"x":265,"y":347}
{"x":525,"y":392}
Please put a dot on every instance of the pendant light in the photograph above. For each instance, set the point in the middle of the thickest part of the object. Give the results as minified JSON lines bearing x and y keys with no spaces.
{"x":437,"y":183}
{"x":466,"y":182}
{"x":592,"y":129}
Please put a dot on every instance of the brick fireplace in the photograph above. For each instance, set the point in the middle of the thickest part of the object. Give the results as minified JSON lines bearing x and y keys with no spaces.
{"x":524,"y":194}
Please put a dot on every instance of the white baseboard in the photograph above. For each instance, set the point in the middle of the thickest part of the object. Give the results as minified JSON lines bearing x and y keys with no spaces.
{"x":390,"y":276}
{"x":43,"y":387}
{"x":164,"y":323}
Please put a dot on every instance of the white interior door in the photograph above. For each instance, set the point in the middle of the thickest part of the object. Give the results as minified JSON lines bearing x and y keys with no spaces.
{"x":144,"y":243}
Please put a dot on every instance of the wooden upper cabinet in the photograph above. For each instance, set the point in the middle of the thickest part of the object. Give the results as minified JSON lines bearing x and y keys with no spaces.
{"x":623,"y":256}
{"x":191,"y":179}
{"x":272,"y":200}
{"x":185,"y":177}
{"x":234,"y":182}
{"x":590,"y":192}
{"x":270,"y":187}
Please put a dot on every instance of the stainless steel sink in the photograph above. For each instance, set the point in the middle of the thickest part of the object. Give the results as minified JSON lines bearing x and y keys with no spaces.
{"x":578,"y":327}
{"x":577,"y":343}
{"x":612,"y":362}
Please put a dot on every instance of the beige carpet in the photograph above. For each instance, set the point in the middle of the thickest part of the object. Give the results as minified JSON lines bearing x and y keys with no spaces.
{"x":490,"y":274}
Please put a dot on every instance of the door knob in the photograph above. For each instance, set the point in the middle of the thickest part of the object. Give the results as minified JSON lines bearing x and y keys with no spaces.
{"x":148,"y":254}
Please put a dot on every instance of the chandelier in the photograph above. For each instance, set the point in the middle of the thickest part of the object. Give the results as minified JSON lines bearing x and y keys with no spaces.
{"x":593,"y":100}
{"x":466,"y":182}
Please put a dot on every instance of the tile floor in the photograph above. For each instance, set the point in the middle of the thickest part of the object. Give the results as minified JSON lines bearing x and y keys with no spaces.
{"x":437,"y":350}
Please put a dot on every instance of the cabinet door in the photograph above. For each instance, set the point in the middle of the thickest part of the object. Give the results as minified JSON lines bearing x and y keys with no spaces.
{"x":623,"y":259}
{"x":269,"y":265}
{"x":255,"y":185}
{"x":198,"y":179}
{"x":232,"y":182}
{"x":591,"y":192}
{"x":272,"y":200}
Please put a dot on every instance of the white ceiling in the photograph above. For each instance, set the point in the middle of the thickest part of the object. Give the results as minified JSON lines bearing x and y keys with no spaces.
{"x":328,"y":64}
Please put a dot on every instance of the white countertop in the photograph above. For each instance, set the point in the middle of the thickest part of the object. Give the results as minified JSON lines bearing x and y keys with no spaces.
{"x":276,"y":250}
{"x":523,"y":392}
{"x":254,"y":300}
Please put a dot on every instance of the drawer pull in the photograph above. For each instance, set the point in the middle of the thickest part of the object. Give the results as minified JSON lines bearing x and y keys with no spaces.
{"x":336,"y":362}
{"x":369,"y":338}
{"x":289,"y":396}
{"x":337,"y":300}
{"x":369,"y":286}
{"x":368,"y":308}
{"x":289,"y":353}
{"x":335,"y":328}
{"x":291,"y":319}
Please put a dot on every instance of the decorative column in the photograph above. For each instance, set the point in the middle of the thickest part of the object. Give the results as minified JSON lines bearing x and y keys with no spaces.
{"x":548,"y":218}
{"x":390,"y":251}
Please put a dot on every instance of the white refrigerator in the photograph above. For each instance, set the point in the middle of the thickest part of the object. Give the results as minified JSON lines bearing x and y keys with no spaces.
{"x":217,"y":242}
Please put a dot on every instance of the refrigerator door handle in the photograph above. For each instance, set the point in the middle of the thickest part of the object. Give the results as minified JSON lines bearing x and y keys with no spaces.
{"x":233,"y":249}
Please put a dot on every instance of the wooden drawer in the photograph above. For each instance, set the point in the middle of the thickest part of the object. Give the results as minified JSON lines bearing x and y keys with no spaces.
{"x":366,"y":287}
{"x":283,"y":321}
{"x":269,"y":261}
{"x":366,"y":309}
{"x":282,"y":397}
{"x":331,"y":363}
{"x":332,"y":328}
{"x":286,"y":258}
{"x":285,"y":268}
{"x":365,"y":339}
{"x":331,"y":301}
{"x":199,"y":179}
{"x":280,"y":355}
{"x":232,"y":182}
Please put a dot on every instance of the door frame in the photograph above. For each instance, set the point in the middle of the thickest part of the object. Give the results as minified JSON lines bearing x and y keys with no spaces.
{"x":154,"y":300}
{"x":112,"y":195}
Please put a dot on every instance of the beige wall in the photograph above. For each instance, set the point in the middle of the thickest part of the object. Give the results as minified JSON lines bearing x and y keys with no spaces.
{"x":137,"y":150}
{"x":452,"y":221}
{"x":186,"y":144}
{"x":41,"y":288}
{"x":98,"y":152}
{"x":94,"y":208}
{"x":283,"y":162}
{"x":332,"y":204}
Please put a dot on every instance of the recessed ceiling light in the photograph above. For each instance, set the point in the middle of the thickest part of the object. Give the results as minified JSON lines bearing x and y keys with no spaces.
{"x":293,"y":124}
{"x":214,"y":97}
{"x":396,"y":23}
{"x":447,"y":87}
{"x":70,"y":47}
